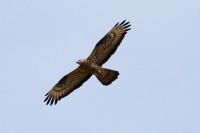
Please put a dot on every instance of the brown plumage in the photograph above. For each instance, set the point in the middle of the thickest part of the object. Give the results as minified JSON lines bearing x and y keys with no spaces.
{"x":92,"y":65}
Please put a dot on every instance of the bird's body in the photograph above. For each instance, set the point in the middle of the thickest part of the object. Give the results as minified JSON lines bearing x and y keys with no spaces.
{"x":105,"y":76}
{"x":91,"y":66}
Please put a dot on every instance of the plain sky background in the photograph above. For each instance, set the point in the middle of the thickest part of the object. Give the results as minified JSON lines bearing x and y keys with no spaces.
{"x":158,"y":89}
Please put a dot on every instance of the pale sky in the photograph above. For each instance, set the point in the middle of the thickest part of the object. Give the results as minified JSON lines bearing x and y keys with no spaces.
{"x":159,"y":64}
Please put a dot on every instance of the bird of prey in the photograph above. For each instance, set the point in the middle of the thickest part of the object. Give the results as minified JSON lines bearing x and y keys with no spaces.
{"x":91,"y":66}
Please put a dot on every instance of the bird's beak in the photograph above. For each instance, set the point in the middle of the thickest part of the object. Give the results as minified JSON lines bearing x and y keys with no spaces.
{"x":78,"y":62}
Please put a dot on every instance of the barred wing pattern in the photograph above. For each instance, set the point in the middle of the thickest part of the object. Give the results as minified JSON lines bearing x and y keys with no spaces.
{"x":109,"y":43}
{"x":67,"y":84}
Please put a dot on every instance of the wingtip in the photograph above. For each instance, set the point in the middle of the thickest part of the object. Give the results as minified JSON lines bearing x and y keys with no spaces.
{"x":116,"y":25}
{"x":55,"y":102}
{"x":126,"y":23}
{"x":46,"y":94}
{"x":127,"y":29}
{"x":45,"y":99}
{"x":48,"y":101}
{"x":122,"y":22}
{"x":51,"y":102}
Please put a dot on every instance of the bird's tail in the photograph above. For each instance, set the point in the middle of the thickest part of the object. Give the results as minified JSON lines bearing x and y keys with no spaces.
{"x":108,"y":77}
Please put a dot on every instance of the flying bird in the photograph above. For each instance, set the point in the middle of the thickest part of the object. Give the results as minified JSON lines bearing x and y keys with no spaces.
{"x":91,"y":66}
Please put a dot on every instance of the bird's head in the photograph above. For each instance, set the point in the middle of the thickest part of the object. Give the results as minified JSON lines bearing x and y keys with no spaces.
{"x":81,"y":61}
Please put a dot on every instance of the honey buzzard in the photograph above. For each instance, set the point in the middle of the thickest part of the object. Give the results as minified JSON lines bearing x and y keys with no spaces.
{"x":91,"y":66}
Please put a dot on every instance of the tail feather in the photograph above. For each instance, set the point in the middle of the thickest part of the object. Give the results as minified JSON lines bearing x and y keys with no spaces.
{"x":108,"y":77}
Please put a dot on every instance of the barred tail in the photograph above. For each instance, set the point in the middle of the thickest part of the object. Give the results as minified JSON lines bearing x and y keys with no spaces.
{"x":108,"y":77}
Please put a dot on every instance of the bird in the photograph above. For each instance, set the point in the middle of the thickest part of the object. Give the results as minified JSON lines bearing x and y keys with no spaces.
{"x":91,"y":65}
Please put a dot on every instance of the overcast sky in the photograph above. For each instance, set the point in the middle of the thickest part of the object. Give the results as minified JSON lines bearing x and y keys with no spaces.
{"x":159,"y":64}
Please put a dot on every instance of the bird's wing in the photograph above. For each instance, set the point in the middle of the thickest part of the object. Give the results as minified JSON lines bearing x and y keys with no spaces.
{"x":67,"y":84}
{"x":109,"y":43}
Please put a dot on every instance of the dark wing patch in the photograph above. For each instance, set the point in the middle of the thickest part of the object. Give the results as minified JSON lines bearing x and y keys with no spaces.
{"x":109,"y":43}
{"x":66,"y":85}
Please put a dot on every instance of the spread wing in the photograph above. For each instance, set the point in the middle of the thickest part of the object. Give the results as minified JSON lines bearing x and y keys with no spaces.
{"x":109,"y":43}
{"x":67,"y":84}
